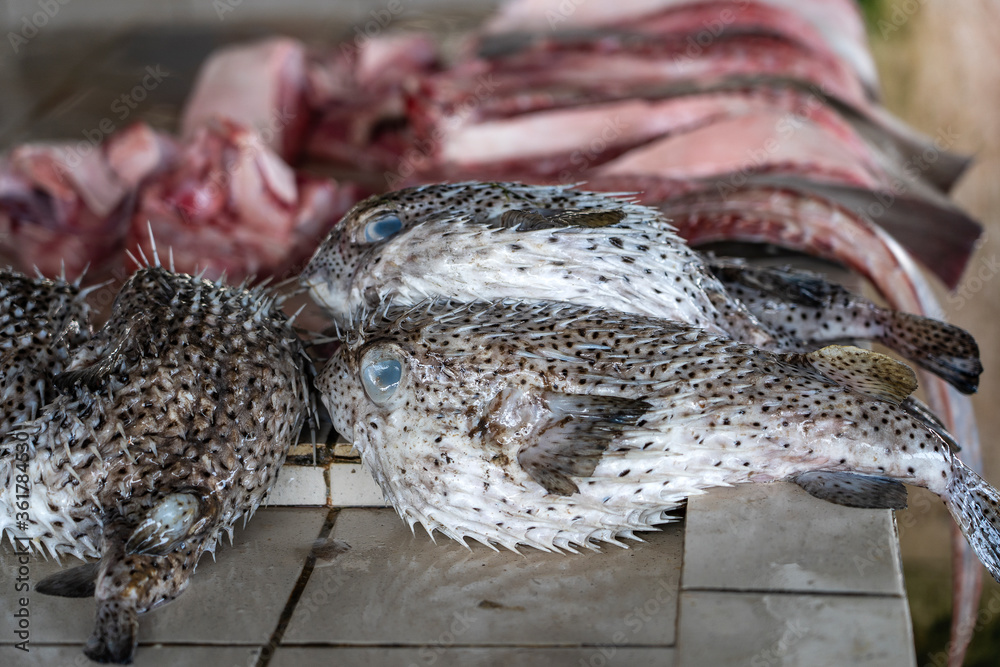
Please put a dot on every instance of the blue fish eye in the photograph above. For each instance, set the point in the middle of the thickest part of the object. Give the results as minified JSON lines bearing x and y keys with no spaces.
{"x":381,"y":378}
{"x":383,"y":228}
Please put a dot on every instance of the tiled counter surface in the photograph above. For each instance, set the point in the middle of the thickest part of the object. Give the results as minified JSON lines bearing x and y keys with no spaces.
{"x":754,"y":575}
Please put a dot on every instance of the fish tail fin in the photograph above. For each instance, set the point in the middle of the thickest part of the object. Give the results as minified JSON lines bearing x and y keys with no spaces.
{"x":975,"y":505}
{"x":941,"y":348}
{"x":116,"y":633}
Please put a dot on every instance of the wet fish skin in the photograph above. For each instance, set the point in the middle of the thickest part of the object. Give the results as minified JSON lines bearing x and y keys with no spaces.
{"x":492,"y":399}
{"x":41,"y":322}
{"x":172,"y":424}
{"x":484,"y":240}
{"x":803,"y":305}
{"x":472,"y":241}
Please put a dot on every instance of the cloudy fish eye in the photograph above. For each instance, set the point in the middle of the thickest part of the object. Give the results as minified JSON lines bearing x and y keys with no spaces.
{"x":383,"y":228}
{"x":381,"y":378}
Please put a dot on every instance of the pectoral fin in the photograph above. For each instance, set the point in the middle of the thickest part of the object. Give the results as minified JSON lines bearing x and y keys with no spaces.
{"x":76,"y":582}
{"x":590,"y":218}
{"x":91,"y":376}
{"x":523,"y":220}
{"x":853,"y":490}
{"x":527,"y":221}
{"x":866,"y":372}
{"x":573,"y":436}
{"x":174,"y":519}
{"x":94,"y":375}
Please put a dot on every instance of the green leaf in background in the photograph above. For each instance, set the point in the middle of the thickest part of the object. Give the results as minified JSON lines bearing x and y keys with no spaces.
{"x":872,"y":10}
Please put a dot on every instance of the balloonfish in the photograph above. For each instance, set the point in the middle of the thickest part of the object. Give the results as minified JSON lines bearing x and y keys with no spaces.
{"x":562,"y":426}
{"x":472,"y":241}
{"x":170,"y":424}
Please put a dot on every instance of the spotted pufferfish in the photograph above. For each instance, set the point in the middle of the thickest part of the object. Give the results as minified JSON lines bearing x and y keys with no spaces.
{"x":473,"y":240}
{"x":561,"y":426}
{"x":170,"y":424}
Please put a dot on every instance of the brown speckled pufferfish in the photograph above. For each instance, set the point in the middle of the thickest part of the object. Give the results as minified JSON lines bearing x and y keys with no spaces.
{"x":472,"y":241}
{"x":560,"y":426}
{"x":172,"y":423}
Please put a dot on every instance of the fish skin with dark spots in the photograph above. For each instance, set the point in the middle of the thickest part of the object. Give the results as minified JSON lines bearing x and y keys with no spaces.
{"x":461,"y":241}
{"x":41,"y":321}
{"x":561,"y":426}
{"x":803,"y":305}
{"x":474,"y":240}
{"x":172,"y":424}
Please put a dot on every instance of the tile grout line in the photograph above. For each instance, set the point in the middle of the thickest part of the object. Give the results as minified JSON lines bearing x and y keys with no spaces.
{"x":448,"y":647}
{"x":680,"y":585}
{"x":804,"y":593}
{"x":268,"y":650}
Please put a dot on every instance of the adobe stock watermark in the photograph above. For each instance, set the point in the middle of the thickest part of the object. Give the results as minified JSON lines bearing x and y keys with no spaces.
{"x":882,"y":552}
{"x":22,"y":550}
{"x":219,"y":178}
{"x":21,"y":602}
{"x":460,"y":624}
{"x":322,"y":591}
{"x":29,"y":26}
{"x":711,"y":30}
{"x":912,"y":170}
{"x":774,"y":655}
{"x":582,"y":158}
{"x":380,"y":19}
{"x":22,"y":581}
{"x":422,"y":148}
{"x":664,"y":597}
{"x":901,"y":13}
{"x":987,"y":614}
{"x":121,"y":108}
{"x":370,"y":28}
{"x":562,"y":13}
{"x":976,"y":278}
{"x":757,"y":158}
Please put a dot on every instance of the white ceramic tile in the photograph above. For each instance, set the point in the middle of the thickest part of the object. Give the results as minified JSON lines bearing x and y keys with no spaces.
{"x":146,"y":656}
{"x":353,"y":486}
{"x":299,"y":485}
{"x":52,"y":619}
{"x":778,"y":537}
{"x":393,"y":587}
{"x":236,"y":600}
{"x":241,"y":596}
{"x":737,"y":629}
{"x":607,"y":656}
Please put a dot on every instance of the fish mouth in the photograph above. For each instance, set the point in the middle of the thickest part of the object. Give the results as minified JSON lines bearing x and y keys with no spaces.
{"x":310,"y":282}
{"x":311,"y":279}
{"x":319,"y":291}
{"x":334,"y":303}
{"x":310,"y":276}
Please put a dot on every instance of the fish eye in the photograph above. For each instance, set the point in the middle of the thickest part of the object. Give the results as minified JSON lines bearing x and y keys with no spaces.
{"x":381,"y":378}
{"x":383,"y":228}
